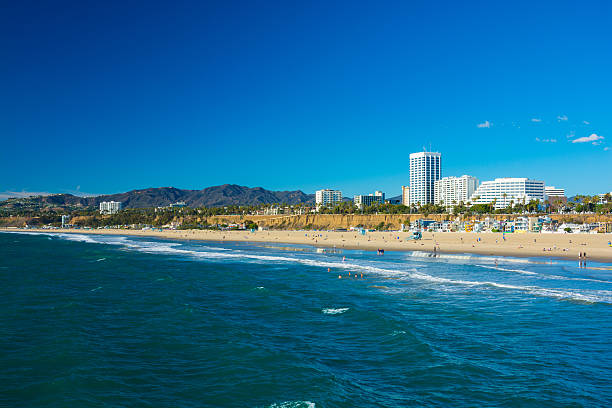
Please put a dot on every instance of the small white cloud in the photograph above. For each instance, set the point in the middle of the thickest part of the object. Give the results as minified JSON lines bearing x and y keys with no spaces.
{"x":545,"y":140}
{"x":586,"y":122}
{"x":536,"y":119}
{"x":485,"y":124}
{"x":606,"y":149}
{"x":592,"y":138}
{"x":562,"y":118}
{"x":571,"y":134}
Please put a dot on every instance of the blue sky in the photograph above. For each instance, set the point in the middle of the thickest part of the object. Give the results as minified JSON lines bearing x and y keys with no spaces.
{"x":111,"y":96}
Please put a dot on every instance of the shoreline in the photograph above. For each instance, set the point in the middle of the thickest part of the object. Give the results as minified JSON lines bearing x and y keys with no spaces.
{"x":521,"y":245}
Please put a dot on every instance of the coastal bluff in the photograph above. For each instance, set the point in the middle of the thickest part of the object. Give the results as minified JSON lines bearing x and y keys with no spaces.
{"x":375,"y":221}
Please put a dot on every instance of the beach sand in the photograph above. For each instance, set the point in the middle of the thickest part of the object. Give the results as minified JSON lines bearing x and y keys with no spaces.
{"x":516,"y":244}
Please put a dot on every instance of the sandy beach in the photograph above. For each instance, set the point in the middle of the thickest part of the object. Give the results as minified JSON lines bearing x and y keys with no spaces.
{"x":518,"y":244}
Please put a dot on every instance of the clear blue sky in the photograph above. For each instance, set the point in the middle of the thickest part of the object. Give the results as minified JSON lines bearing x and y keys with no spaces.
{"x":104,"y":97}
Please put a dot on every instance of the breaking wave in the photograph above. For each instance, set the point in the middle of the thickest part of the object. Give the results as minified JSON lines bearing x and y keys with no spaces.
{"x":399,"y":270}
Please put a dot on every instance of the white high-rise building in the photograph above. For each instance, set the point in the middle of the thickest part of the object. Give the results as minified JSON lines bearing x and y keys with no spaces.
{"x":406,"y":196}
{"x":502,"y":191}
{"x":450,"y":191}
{"x":425,"y":170}
{"x":551,"y":191}
{"x":110,"y":207}
{"x":327,"y":197}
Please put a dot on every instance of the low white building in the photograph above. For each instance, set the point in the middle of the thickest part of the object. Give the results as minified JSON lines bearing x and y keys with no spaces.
{"x":450,"y":191}
{"x":503,"y":191}
{"x":110,"y":207}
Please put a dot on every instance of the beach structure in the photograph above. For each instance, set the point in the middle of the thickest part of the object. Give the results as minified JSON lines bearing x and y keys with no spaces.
{"x":449,"y":191}
{"x":425,"y":170}
{"x":406,"y":196}
{"x":327,"y":197}
{"x":110,"y":207}
{"x":362,"y":201}
{"x":65,"y":221}
{"x":503,"y":191}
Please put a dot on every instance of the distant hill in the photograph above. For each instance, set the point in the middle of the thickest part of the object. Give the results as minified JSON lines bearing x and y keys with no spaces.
{"x":217,"y":196}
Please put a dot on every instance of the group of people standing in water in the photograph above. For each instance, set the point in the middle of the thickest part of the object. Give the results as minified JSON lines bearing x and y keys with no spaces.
{"x":582,"y":257}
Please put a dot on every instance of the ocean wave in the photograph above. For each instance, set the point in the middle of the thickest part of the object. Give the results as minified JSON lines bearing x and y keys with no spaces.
{"x":497,"y":268}
{"x":69,"y":237}
{"x":331,"y":311}
{"x":170,"y":248}
{"x":543,"y":275}
{"x":464,"y":257}
{"x":78,"y":238}
{"x":592,"y":296}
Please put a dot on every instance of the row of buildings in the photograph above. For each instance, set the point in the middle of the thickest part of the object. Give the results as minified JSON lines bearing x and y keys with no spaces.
{"x":542,"y":224}
{"x":427,"y":186}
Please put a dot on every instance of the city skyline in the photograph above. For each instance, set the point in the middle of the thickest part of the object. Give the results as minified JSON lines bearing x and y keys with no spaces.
{"x":190,"y":96}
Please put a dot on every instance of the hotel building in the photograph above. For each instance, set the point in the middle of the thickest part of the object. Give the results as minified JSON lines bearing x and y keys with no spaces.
{"x":110,"y":207}
{"x":425,"y":170}
{"x":502,"y":191}
{"x":555,"y":196}
{"x":327,"y":197}
{"x":552,"y":191}
{"x":362,"y":201}
{"x":450,"y":191}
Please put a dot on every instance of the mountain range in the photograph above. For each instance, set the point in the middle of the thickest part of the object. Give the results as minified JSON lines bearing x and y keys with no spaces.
{"x":216,"y":196}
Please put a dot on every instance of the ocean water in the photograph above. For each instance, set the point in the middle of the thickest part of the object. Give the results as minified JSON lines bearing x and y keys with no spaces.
{"x":95,"y":321}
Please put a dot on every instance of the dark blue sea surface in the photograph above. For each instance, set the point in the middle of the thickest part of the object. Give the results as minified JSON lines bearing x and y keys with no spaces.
{"x":106,"y":321}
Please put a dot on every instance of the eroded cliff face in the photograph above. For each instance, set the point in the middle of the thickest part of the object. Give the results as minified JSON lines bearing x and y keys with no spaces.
{"x":378,"y":221}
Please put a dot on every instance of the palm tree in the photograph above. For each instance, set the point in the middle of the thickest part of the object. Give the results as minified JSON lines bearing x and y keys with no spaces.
{"x":586,"y":201}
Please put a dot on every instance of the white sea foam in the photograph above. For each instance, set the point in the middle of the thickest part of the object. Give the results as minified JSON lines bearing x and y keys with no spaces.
{"x":331,"y":311}
{"x":583,"y":295}
{"x":544,"y":275}
{"x":497,"y":268}
{"x":463,"y":257}
{"x":293,"y":404}
{"x":79,"y":238}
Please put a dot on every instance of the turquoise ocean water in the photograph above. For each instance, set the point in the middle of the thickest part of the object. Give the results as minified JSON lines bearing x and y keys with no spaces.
{"x":100,"y":321}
